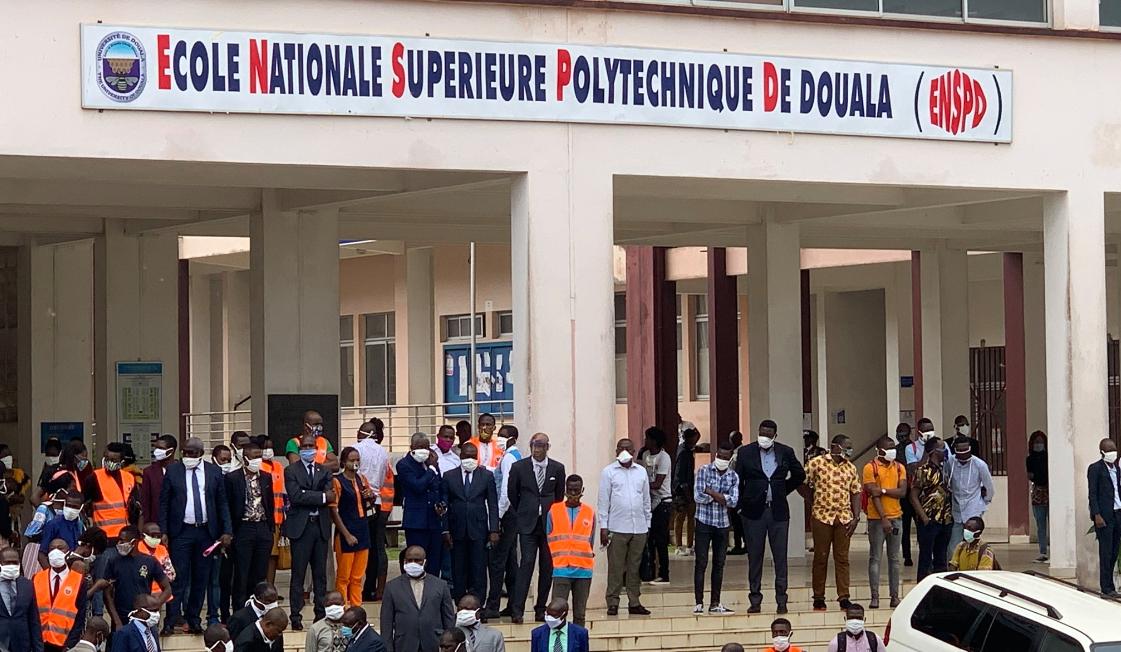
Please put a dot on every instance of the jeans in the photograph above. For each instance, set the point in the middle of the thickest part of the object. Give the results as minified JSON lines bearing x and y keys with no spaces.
{"x":718,"y":537}
{"x":826,"y":536}
{"x":656,"y":560}
{"x":580,"y":587}
{"x":1040,"y":512}
{"x":760,"y":531}
{"x":933,"y":543}
{"x":876,"y":539}
{"x":624,"y":554}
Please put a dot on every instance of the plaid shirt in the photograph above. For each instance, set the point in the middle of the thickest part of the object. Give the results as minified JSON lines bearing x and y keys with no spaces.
{"x":727,"y":484}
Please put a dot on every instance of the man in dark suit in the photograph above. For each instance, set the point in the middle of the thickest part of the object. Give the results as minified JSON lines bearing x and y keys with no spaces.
{"x":1105,"y":509}
{"x":416,"y":607}
{"x":265,"y":597}
{"x":265,"y":635}
{"x":308,"y":527}
{"x":472,"y":522}
{"x":19,"y":614}
{"x":163,"y":454}
{"x":251,"y":510}
{"x":768,"y":472}
{"x":194,"y":514}
{"x":362,"y":637}
{"x":139,"y":632}
{"x":545,"y":637}
{"x":423,"y":500}
{"x":535,"y":484}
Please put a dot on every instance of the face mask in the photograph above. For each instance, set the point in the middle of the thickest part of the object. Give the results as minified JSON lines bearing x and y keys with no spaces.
{"x":51,"y":461}
{"x":151,"y":541}
{"x":317,"y":430}
{"x":1110,"y":457}
{"x":470,"y":464}
{"x":263,"y":608}
{"x":111,"y":467}
{"x":781,"y":643}
{"x":334,"y":611}
{"x":721,"y":465}
{"x":238,"y":454}
{"x":963,"y":457}
{"x":444,"y":445}
{"x":160,"y":454}
{"x":254,"y":465}
{"x":227,"y":467}
{"x":624,"y":457}
{"x":9,"y":571}
{"x":6,"y":461}
{"x":123,"y":549}
{"x":1039,"y":448}
{"x":222,"y":646}
{"x":192,"y":463}
{"x":57,"y":558}
{"x":927,"y":435}
{"x":267,"y":454}
{"x":154,"y":619}
{"x":414,"y":569}
{"x":307,"y":455}
{"x":553,"y":622}
{"x":101,"y":647}
{"x":466,"y":618}
{"x":353,"y":466}
{"x":83,"y":463}
{"x":71,"y":513}
{"x":968,"y":535}
{"x":766,"y":442}
{"x":854,"y":626}
{"x":346,"y":631}
{"x":890,"y":454}
{"x":503,"y":442}
{"x":421,"y":455}
{"x":574,"y":497}
{"x":964,"y":430}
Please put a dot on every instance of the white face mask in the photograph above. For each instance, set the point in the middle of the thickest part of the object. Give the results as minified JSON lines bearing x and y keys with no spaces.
{"x":502,"y":443}
{"x":6,"y":461}
{"x":57,"y":558}
{"x":222,"y":646}
{"x":1110,"y":457}
{"x":854,"y":626}
{"x":160,"y":454}
{"x":254,"y":465}
{"x":151,"y":541}
{"x":421,"y":455}
{"x":227,"y":467}
{"x":553,"y":622}
{"x":624,"y":457}
{"x":766,"y":442}
{"x":470,"y":464}
{"x":51,"y":461}
{"x":466,"y":617}
{"x":781,"y":643}
{"x":964,"y":430}
{"x":263,"y":608}
{"x":928,"y":435}
{"x":890,"y":454}
{"x":71,"y":513}
{"x":192,"y":463}
{"x":721,"y":465}
{"x":414,"y":569}
{"x":267,"y":454}
{"x":334,"y":611}
{"x":9,"y":571}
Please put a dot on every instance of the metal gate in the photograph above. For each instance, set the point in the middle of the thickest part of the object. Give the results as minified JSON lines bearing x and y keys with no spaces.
{"x":987,"y":404}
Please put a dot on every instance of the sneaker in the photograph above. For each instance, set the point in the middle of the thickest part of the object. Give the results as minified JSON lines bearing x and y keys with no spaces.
{"x":754,"y":609}
{"x":699,"y":609}
{"x":844,"y":604}
{"x":781,"y":610}
{"x":660,"y":582}
{"x":874,"y":603}
{"x":1042,"y":559}
{"x":819,"y":605}
{"x":720,"y":609}
{"x":894,"y":603}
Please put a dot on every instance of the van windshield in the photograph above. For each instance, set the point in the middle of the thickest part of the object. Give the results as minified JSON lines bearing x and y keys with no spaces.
{"x":1106,"y":647}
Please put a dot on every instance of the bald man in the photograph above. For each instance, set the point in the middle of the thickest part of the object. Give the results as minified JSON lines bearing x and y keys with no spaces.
{"x":535,"y":484}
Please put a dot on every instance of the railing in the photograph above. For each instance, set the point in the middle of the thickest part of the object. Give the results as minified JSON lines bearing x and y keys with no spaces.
{"x":214,"y":428}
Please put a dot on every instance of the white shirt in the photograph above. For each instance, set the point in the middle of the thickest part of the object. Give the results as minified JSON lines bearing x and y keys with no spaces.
{"x":508,"y":458}
{"x":372,"y":463}
{"x":624,"y":499}
{"x":1112,"y":468}
{"x":446,"y":461}
{"x":190,"y":516}
{"x":543,"y":465}
{"x":259,"y":629}
{"x":145,"y":632}
{"x":61,"y":575}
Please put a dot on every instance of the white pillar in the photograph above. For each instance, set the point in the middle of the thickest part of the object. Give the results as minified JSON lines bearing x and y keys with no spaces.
{"x":774,"y":338}
{"x":1075,"y":14}
{"x":1074,"y":255}
{"x":420,"y":337}
{"x":200,"y":342}
{"x":55,"y":342}
{"x":821,"y":398}
{"x":892,"y":297}
{"x":235,"y":312}
{"x":945,"y":336}
{"x":136,"y":319}
{"x":294,"y":304}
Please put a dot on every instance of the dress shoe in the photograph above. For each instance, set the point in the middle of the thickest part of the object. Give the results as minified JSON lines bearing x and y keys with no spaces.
{"x":168,"y":631}
{"x":894,"y":603}
{"x":194,"y":629}
{"x":844,"y":604}
{"x":781,"y":610}
{"x":516,"y":620}
{"x":874,"y":603}
{"x":754,"y":609}
{"x":908,"y":562}
{"x":613,"y":611}
{"x":819,"y":605}
{"x":737,"y":551}
{"x":297,"y":626}
{"x":505,"y":613}
{"x":539,"y":616}
{"x":638,"y":610}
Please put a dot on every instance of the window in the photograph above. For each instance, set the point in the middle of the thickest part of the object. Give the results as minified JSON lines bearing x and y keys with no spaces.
{"x":1109,"y":13}
{"x":381,"y":359}
{"x":700,"y":340}
{"x":680,"y":353}
{"x":346,"y":360}
{"x":952,"y":618}
{"x":1052,"y":641}
{"x":505,"y":321}
{"x":1016,"y":11}
{"x":1010,"y":632}
{"x":458,"y":327}
{"x":620,"y":347}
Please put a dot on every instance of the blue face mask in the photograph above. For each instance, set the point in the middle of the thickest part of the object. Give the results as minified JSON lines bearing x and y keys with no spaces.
{"x":308,"y":456}
{"x":346,"y":632}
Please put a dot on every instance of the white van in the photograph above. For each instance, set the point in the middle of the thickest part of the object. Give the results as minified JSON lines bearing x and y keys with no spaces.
{"x":1002,"y":611}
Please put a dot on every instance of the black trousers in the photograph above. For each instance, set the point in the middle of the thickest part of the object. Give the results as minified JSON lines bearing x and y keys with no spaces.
{"x":503,"y":563}
{"x":655,"y":559}
{"x":377,"y":563}
{"x":534,"y":547}
{"x":192,"y":573}
{"x":761,"y":531}
{"x":908,"y":519}
{"x":469,"y":568}
{"x":737,"y":528}
{"x":251,"y":549}
{"x":1109,"y":541}
{"x":717,"y":537}
{"x":311,"y":548}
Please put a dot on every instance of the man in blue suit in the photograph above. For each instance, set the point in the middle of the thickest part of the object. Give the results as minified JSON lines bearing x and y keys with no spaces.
{"x":557,"y":634}
{"x":424,"y":501}
{"x":194,"y":514}
{"x":362,"y":637}
{"x":19,"y":614}
{"x":139,"y":634}
{"x":1104,"y":491}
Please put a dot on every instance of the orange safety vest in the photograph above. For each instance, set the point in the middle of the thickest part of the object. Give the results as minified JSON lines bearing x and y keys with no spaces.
{"x":161,"y":555}
{"x":495,"y":452}
{"x":111,"y":513}
{"x":571,"y":542}
{"x":387,"y":491}
{"x":279,"y":495}
{"x":57,"y":617}
{"x":321,"y":444}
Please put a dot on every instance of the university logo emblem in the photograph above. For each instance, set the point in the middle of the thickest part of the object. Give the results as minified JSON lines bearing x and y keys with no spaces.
{"x":143,"y":571}
{"x":121,"y":67}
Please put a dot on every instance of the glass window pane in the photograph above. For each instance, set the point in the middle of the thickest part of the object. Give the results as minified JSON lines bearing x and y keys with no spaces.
{"x":620,"y":306}
{"x":620,"y":340}
{"x":700,"y":305}
{"x":346,"y":376}
{"x":391,"y":374}
{"x":376,"y":367}
{"x":948,"y":616}
{"x":944,"y":8}
{"x":620,"y":378}
{"x":452,"y":327}
{"x":346,"y":328}
{"x":480,"y":326}
{"x":390,"y":326}
{"x":702,"y":357}
{"x":1010,"y":632}
{"x":850,"y":5}
{"x":375,"y":325}
{"x":680,"y":371}
{"x":1109,"y":12}
{"x":1056,"y":642}
{"x":505,"y":323}
{"x":1034,"y":11}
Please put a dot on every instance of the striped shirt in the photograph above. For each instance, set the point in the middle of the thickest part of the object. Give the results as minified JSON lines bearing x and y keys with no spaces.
{"x":726,"y":484}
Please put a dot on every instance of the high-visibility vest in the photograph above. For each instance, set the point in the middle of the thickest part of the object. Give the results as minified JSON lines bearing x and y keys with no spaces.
{"x":111,"y":513}
{"x":73,"y":474}
{"x":57,"y":617}
{"x":571,"y":542}
{"x":279,"y":495}
{"x":161,"y":555}
{"x":386,"y":492}
{"x":321,"y":445}
{"x":495,"y":453}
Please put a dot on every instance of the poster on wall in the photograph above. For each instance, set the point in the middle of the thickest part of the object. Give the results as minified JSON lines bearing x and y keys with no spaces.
{"x":140,"y":406}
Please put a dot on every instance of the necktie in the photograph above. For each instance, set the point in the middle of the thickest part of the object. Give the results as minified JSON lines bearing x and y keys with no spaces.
{"x":149,"y":641}
{"x":197,"y":495}
{"x":8,"y":591}
{"x":54,"y":589}
{"x":540,"y":471}
{"x":467,"y":483}
{"x":471,"y":637}
{"x":557,"y":646}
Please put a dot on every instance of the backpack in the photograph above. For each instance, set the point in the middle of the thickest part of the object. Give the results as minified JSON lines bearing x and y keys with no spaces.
{"x":981,"y":554}
{"x":873,"y":642}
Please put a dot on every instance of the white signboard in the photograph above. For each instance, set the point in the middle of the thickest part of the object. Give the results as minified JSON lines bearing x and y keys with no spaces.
{"x":139,"y":405}
{"x":175,"y":69}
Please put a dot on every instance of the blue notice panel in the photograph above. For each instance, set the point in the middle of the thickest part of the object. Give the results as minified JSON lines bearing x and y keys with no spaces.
{"x":63,"y":430}
{"x":493,"y":387}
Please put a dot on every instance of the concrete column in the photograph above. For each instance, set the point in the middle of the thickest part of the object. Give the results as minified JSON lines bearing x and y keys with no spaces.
{"x":723,"y":376}
{"x":1035,"y":341}
{"x":916,"y":334}
{"x":892,"y":297}
{"x":1074,"y":255}
{"x":1015,"y":396}
{"x":821,"y":400}
{"x":1075,"y":14}
{"x":774,"y":337}
{"x":55,"y":342}
{"x":200,"y":342}
{"x":420,"y":336}
{"x":651,"y":342}
{"x":136,"y":319}
{"x":294,"y":305}
{"x":945,"y":335}
{"x":235,"y":313}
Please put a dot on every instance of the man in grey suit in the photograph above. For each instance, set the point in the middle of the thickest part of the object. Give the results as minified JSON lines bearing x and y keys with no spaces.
{"x":472,"y":521}
{"x":308,"y":526}
{"x":416,"y":607}
{"x":480,"y":638}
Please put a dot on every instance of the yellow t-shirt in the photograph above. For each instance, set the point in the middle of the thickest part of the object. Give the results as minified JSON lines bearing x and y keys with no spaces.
{"x":887,"y":477}
{"x":967,"y":557}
